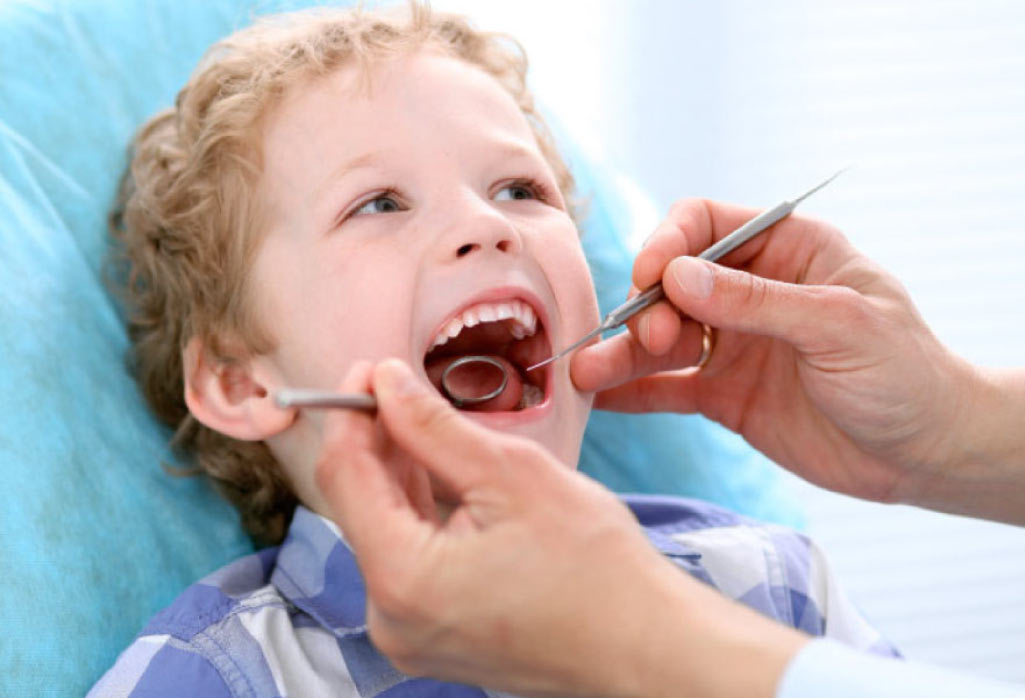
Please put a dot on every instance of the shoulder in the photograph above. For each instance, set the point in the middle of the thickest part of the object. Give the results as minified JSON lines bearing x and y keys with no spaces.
{"x":200,"y":645}
{"x":161,"y":666}
{"x":234,"y":588}
{"x":672,"y":514}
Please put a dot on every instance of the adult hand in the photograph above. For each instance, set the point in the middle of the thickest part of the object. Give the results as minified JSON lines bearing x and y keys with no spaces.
{"x":821,"y":361}
{"x":539,"y":581}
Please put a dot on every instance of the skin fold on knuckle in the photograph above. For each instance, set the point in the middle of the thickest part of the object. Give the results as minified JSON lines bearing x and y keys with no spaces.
{"x":751,"y":292}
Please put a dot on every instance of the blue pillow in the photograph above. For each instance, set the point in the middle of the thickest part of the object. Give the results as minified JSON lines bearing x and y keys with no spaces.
{"x":95,"y":536}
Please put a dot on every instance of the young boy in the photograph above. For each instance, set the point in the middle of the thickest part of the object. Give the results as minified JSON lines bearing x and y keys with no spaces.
{"x":349,"y":185}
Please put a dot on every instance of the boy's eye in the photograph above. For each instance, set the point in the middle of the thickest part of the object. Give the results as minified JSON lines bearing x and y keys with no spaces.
{"x":382,"y":204}
{"x":517,"y":190}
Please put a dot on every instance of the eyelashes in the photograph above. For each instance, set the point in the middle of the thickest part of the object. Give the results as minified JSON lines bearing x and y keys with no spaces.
{"x":389,"y":200}
{"x":540,"y":190}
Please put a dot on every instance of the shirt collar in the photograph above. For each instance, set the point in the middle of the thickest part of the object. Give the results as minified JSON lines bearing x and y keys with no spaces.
{"x":670,"y":547}
{"x":317,"y":572}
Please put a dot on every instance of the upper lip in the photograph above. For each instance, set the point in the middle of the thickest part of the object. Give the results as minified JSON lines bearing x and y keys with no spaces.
{"x":493,"y":295}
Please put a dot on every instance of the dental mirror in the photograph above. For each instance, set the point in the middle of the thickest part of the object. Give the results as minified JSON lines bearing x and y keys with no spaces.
{"x":494,"y":373}
{"x":483,"y":367}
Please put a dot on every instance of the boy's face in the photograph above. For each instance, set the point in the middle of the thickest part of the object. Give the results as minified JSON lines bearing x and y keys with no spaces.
{"x":395,"y":210}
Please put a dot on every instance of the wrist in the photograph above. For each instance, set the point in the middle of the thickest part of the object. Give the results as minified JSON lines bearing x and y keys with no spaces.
{"x":983,"y":474}
{"x":737,"y":651}
{"x":703,"y":644}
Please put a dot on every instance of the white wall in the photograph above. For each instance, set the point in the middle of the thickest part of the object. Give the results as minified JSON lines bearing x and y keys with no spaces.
{"x":754,"y":102}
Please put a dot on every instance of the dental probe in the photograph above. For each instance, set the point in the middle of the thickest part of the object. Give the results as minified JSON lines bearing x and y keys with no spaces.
{"x":623,"y":313}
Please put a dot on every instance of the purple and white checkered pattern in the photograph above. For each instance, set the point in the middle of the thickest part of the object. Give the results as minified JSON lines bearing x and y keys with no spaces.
{"x":290,"y":620}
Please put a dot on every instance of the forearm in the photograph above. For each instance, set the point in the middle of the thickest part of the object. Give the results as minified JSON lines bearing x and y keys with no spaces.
{"x":985,"y":474}
{"x":699,"y":643}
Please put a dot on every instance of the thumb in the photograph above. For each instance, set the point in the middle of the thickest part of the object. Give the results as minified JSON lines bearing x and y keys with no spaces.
{"x":735,"y":300}
{"x":450,"y":446}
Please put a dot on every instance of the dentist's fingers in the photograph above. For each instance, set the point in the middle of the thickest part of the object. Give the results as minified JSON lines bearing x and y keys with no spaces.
{"x":691,"y":226}
{"x":657,"y":329}
{"x":728,"y":299}
{"x":345,"y":430}
{"x":809,"y":317}
{"x":656,"y":393}
{"x":457,"y":451}
{"x":622,"y":358}
{"x":364,"y":496}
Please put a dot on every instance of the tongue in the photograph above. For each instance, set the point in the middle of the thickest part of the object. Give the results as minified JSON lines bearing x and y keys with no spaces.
{"x":475,"y":379}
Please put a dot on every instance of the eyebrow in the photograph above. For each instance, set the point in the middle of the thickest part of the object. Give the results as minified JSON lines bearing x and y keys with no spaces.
{"x":507,"y":150}
{"x":515,"y":149}
{"x":361,"y":161}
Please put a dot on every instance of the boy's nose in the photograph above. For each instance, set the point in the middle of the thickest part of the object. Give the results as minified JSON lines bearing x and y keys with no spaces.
{"x":504,"y":245}
{"x":482,"y":235}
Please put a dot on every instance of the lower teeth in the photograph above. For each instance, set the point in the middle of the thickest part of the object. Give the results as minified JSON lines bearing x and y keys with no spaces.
{"x":532,"y":396}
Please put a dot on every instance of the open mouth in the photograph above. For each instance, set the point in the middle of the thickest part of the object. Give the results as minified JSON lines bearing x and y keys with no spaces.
{"x":512,"y":334}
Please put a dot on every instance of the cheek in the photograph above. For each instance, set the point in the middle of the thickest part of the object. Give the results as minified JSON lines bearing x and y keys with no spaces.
{"x":327,"y":311}
{"x":374,"y":300}
{"x":570,"y":276}
{"x":586,"y":296}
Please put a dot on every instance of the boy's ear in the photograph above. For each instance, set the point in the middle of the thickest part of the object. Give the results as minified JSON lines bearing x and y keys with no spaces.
{"x":233,"y":398}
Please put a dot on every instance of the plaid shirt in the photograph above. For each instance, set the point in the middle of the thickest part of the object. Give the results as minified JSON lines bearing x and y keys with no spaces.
{"x":290,"y":620}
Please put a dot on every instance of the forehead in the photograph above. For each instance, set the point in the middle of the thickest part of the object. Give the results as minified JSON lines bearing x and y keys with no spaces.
{"x":424,"y":103}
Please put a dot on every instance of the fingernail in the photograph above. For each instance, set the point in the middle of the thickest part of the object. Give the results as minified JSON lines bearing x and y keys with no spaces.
{"x":400,"y":380}
{"x":693,"y":276}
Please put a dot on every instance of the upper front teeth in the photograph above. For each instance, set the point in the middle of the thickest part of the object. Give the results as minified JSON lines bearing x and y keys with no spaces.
{"x":524,"y":320}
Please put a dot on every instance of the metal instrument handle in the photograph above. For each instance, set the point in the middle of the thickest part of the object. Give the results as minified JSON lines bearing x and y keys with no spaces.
{"x":655,"y":293}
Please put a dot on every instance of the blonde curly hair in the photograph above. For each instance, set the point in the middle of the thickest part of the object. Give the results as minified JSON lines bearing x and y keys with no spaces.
{"x":186,"y":229}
